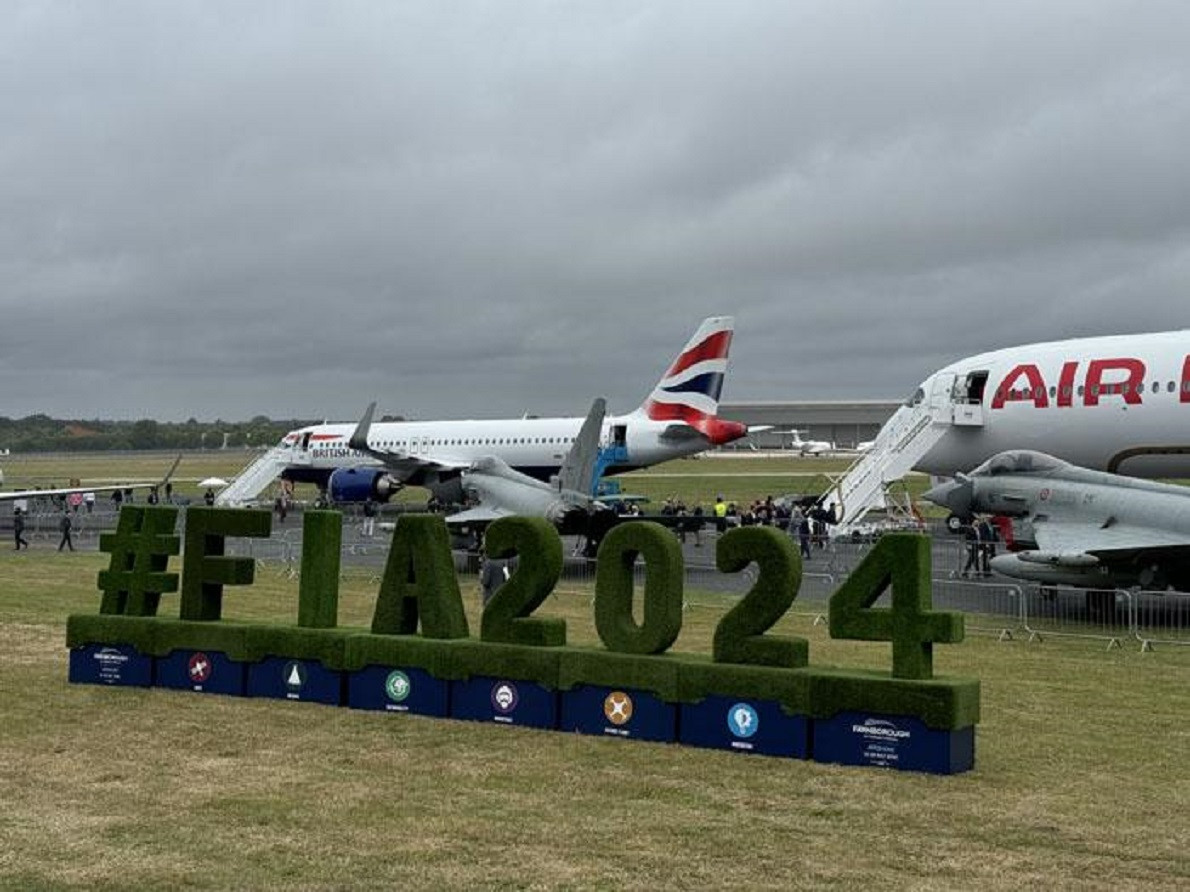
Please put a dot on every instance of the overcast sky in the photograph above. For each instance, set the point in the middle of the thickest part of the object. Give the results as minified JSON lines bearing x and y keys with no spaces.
{"x":223,"y":209}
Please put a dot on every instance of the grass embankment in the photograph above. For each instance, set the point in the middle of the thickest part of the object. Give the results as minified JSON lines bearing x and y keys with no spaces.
{"x":1080,"y":777}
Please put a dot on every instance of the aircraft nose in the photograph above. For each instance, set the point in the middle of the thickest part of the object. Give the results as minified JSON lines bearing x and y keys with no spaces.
{"x":953,"y":494}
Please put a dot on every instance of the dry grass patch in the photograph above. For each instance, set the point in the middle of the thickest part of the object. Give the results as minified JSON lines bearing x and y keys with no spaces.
{"x":1079,"y":782}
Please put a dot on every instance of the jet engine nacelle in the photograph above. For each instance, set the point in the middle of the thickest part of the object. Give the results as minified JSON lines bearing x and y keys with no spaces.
{"x":362,"y":484}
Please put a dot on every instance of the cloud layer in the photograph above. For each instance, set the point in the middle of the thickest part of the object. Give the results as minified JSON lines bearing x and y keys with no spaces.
{"x":221,"y":209}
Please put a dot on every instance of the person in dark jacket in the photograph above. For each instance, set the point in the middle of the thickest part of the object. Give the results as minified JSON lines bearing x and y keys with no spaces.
{"x":18,"y":528}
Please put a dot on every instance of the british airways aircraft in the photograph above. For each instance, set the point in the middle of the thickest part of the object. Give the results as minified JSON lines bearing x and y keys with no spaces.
{"x":1119,"y":403}
{"x":680,"y":417}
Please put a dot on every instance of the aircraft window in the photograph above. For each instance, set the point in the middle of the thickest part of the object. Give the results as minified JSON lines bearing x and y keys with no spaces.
{"x":1053,"y":391}
{"x":1186,"y":386}
{"x":1169,"y":387}
{"x":1067,"y":390}
{"x":1038,"y":393}
{"x":1156,"y":386}
{"x":1080,"y":390}
{"x":918,"y":397}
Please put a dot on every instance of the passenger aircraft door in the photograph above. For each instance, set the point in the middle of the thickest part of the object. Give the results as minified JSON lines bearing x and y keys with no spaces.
{"x":967,"y":395}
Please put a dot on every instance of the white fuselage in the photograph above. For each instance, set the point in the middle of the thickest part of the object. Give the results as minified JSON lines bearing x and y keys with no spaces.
{"x":535,"y":446}
{"x":1118,"y":403}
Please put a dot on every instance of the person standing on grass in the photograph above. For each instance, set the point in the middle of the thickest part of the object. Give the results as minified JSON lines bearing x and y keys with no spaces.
{"x":18,"y":529}
{"x":65,"y":525}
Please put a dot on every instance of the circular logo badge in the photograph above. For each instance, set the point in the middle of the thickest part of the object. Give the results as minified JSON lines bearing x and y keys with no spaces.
{"x":742,"y":720}
{"x":617,"y":706}
{"x":505,"y":697}
{"x":199,"y":667}
{"x":397,"y":686}
{"x":294,"y":674}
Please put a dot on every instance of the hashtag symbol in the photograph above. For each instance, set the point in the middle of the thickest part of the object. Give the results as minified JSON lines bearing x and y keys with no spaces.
{"x":140,"y":548}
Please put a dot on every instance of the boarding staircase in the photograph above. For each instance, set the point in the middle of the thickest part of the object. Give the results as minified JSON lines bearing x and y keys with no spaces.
{"x":903,"y":441}
{"x":256,"y":477}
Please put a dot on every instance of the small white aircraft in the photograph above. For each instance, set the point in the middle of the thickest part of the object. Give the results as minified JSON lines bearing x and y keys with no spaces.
{"x":805,"y":447}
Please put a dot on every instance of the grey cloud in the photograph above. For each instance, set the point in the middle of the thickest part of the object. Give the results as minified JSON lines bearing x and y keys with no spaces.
{"x":228,"y":209}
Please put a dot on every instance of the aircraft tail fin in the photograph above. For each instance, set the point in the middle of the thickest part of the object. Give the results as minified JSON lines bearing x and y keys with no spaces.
{"x":578,"y":468}
{"x":689,"y":390}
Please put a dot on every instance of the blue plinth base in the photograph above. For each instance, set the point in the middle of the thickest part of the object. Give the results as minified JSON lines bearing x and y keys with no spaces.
{"x":110,"y":665}
{"x":618,"y":712}
{"x":853,"y":738}
{"x":207,"y":672}
{"x":398,"y":689}
{"x":746,"y":726}
{"x":283,"y":678}
{"x":507,"y":702}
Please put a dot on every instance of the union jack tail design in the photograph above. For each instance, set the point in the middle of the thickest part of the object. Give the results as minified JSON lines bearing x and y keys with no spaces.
{"x":689,"y":391}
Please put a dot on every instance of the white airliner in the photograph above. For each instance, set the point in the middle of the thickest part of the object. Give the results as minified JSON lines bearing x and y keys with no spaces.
{"x":678,"y":418}
{"x":1119,"y":403}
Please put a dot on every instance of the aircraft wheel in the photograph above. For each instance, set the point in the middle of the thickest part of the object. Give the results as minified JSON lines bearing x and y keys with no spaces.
{"x":954,"y":524}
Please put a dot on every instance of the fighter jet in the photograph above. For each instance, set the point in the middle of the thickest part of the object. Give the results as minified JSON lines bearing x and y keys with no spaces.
{"x":494,"y":489}
{"x":1076,"y":526}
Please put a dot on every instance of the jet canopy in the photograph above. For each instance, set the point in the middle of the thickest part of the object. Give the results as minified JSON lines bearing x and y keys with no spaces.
{"x":1019,"y":461}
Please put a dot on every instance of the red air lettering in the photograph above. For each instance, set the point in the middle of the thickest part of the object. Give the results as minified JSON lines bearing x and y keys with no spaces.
{"x":1031,"y":389}
{"x":1184,"y":387}
{"x":1066,"y":384}
{"x":1134,"y":371}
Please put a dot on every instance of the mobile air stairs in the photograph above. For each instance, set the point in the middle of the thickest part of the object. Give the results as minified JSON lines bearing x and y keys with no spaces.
{"x":255,"y":478}
{"x":914,"y":429}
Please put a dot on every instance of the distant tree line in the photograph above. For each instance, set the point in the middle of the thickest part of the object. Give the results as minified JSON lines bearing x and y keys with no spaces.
{"x":40,"y":433}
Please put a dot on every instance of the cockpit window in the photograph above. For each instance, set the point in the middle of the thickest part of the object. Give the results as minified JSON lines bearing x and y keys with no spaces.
{"x":918,"y":397}
{"x":1019,"y":461}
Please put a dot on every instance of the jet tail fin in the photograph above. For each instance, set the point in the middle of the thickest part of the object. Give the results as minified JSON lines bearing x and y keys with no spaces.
{"x":689,"y":390}
{"x":359,"y":437}
{"x":578,"y":468}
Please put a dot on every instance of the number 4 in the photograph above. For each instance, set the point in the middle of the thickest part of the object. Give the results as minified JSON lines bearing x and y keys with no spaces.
{"x":902,"y":560}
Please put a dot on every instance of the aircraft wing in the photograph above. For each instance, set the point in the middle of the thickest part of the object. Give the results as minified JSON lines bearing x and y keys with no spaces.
{"x":403,"y":465}
{"x":1064,"y":537}
{"x":71,"y":490}
{"x":478,"y":514}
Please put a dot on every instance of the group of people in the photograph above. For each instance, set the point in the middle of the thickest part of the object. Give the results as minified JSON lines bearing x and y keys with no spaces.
{"x":65,"y":526}
{"x":980,"y":538}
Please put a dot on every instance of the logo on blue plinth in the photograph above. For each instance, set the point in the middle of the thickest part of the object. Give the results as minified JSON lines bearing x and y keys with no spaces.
{"x":742,"y":720}
{"x":294,"y":675}
{"x":397,"y":686}
{"x":617,"y":708}
{"x":199,"y":667}
{"x":505,"y":697}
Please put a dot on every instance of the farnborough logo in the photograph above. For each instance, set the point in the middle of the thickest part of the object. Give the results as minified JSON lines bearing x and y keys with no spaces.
{"x":880,"y":729}
{"x":397,"y":686}
{"x":742,"y":720}
{"x":505,"y":697}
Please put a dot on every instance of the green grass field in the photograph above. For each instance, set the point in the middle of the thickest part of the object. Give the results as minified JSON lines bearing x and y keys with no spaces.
{"x":1080,"y":778}
{"x":740,"y":479}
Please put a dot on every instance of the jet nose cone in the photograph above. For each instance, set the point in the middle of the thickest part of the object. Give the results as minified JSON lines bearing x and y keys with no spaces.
{"x":953,"y":494}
